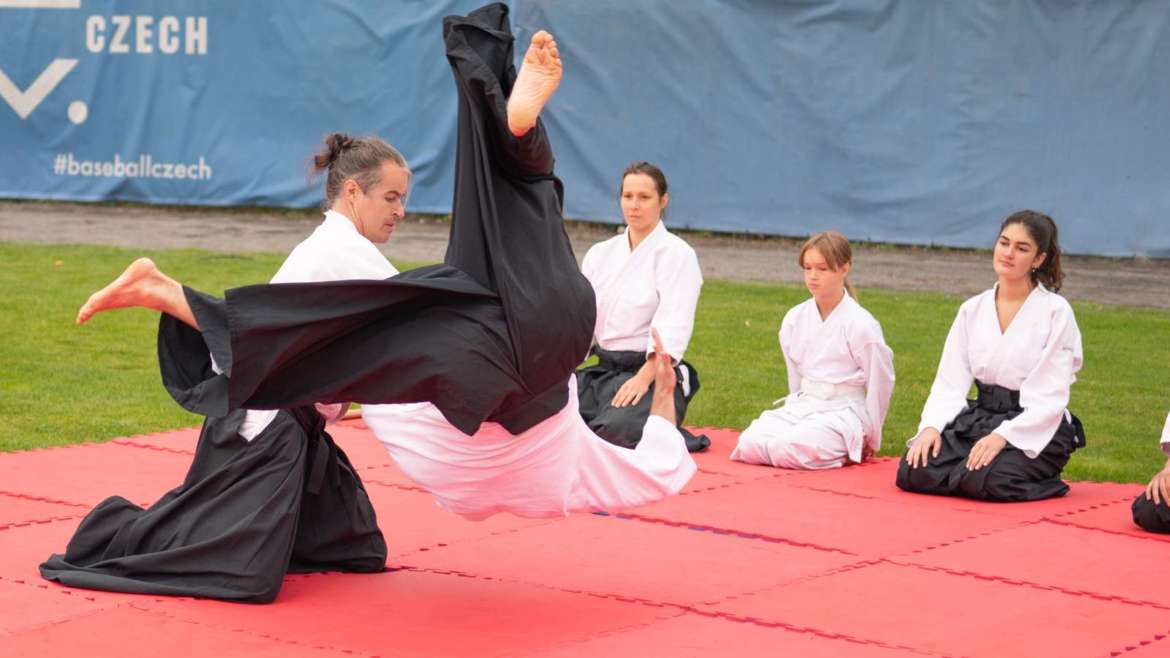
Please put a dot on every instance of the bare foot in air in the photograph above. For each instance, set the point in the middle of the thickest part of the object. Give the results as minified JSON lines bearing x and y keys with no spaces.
{"x":540,"y":73}
{"x":141,"y":284}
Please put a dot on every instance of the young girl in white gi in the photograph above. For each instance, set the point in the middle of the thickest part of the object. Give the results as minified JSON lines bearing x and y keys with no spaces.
{"x":1151,"y":510}
{"x":840,"y":373}
{"x":1019,"y":344}
{"x":644,"y":277}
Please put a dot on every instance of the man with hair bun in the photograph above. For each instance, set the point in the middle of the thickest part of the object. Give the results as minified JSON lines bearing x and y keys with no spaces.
{"x":268,"y":491}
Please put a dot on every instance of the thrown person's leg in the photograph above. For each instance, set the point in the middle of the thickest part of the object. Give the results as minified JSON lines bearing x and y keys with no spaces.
{"x":507,"y":230}
{"x":140,"y":285}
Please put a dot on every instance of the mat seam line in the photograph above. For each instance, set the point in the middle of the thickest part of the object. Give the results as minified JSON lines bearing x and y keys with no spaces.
{"x":1140,"y":644}
{"x":1116,"y":533}
{"x":245,"y":631}
{"x":686,"y":608}
{"x":1030,"y":584}
{"x":625,"y":516}
{"x":42,"y":499}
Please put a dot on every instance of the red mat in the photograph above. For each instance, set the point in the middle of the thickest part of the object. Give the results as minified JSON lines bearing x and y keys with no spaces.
{"x":748,"y":561}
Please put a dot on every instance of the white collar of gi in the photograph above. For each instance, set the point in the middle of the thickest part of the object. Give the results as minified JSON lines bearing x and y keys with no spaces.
{"x":1039,"y":289}
{"x":334,"y":219}
{"x":655,"y":235}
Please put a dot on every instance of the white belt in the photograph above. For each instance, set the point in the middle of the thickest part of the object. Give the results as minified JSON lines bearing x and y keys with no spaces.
{"x":827,"y":391}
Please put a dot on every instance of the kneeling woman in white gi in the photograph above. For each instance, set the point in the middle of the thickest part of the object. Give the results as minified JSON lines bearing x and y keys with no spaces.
{"x":1019,"y":344}
{"x":645,"y":277}
{"x":840,"y":373}
{"x":1151,"y":510}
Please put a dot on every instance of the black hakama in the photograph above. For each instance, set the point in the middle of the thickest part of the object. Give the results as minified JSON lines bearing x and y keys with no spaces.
{"x":597,"y":384}
{"x":1012,"y":475}
{"x":1151,"y":516}
{"x":247,"y":513}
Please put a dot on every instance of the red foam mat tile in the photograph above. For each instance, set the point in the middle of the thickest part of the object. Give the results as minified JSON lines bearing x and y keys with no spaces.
{"x":1114,"y":518}
{"x":705,"y":480}
{"x":182,"y":440}
{"x":749,"y":560}
{"x":695,"y":636}
{"x":412,"y":523}
{"x":1105,"y":565}
{"x":30,"y":606}
{"x":1155,"y":646}
{"x":865,"y":527}
{"x":406,"y":613}
{"x":359,"y":444}
{"x":943,"y":613}
{"x":608,"y":555}
{"x":16,"y":510}
{"x":89,"y":474}
{"x":716,"y":458}
{"x":23,"y":548}
{"x":130,"y":632}
{"x":388,"y":475}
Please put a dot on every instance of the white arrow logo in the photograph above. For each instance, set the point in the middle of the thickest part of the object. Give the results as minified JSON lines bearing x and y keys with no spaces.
{"x":24,"y":102}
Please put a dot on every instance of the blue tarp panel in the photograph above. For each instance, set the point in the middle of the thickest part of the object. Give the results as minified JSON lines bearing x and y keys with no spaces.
{"x":893,"y":121}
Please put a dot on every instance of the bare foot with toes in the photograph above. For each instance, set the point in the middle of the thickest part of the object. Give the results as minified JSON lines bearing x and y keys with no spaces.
{"x":141,"y":284}
{"x":540,"y":73}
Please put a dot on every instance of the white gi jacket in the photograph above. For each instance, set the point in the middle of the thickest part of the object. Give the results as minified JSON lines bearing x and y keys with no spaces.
{"x":1039,"y":356}
{"x":840,"y":379}
{"x":655,"y":285}
{"x":1166,"y":436}
{"x":334,"y":251}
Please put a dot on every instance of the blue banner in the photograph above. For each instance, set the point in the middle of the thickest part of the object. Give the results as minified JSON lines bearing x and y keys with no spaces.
{"x":214,"y":102}
{"x":917,"y":123}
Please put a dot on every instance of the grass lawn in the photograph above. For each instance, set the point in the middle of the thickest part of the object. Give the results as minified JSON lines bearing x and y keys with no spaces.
{"x":62,"y":384}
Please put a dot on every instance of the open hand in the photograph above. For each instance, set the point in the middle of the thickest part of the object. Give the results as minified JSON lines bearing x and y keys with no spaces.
{"x":984,"y":451}
{"x":928,"y":442}
{"x":631,"y":392}
{"x":1159,"y":489}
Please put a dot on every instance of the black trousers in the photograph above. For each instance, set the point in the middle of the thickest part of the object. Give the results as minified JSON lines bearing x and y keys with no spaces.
{"x":597,"y":384}
{"x":245,"y":515}
{"x":1012,"y":475}
{"x":494,"y":333}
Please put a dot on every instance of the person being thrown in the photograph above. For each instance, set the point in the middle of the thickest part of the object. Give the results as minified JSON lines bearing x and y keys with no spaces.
{"x":486,"y":343}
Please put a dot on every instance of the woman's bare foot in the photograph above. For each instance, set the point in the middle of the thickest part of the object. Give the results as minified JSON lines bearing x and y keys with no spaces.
{"x":662,"y":404}
{"x":141,"y":284}
{"x":540,"y":73}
